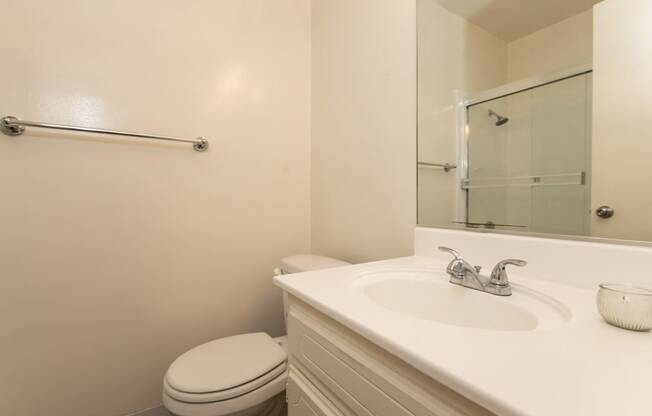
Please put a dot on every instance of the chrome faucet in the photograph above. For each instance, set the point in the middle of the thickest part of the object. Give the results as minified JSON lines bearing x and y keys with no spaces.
{"x":464,"y":274}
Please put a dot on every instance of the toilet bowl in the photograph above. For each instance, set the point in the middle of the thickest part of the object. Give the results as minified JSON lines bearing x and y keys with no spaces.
{"x":241,"y":375}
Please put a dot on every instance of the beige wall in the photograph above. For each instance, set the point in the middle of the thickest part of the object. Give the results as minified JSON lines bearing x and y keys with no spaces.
{"x":622,"y":87}
{"x":118,"y":255}
{"x":454,"y":55}
{"x":563,"y":45}
{"x":363,"y":128}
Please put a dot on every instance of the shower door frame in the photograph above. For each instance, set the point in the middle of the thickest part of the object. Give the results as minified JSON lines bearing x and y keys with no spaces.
{"x":463,"y":102}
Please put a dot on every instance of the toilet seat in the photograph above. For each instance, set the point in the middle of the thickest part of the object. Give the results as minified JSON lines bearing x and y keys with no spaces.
{"x":248,"y":404}
{"x":226,"y":394}
{"x":225,"y":368}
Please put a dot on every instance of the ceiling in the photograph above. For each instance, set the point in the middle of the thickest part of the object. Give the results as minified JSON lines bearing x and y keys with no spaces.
{"x":513,"y":19}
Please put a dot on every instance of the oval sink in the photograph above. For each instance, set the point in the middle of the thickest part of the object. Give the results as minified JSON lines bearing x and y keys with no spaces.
{"x":427,"y":294}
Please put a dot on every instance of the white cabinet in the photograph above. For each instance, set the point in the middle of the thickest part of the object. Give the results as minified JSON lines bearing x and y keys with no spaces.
{"x":304,"y":400}
{"x":334,"y":371}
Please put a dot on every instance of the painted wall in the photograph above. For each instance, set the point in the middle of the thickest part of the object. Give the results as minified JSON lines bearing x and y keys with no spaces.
{"x":454,"y":55}
{"x":363,"y":128}
{"x":563,"y":45}
{"x":120,"y":254}
{"x":621,"y":130}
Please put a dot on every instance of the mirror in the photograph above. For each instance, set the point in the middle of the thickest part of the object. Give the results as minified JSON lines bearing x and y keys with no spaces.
{"x":533,"y":116}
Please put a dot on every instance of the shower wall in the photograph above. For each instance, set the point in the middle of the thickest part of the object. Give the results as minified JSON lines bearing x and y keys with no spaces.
{"x":565,"y":44}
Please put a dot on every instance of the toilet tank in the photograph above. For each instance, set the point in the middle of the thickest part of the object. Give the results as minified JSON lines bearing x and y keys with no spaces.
{"x":304,"y":263}
{"x":307,"y":262}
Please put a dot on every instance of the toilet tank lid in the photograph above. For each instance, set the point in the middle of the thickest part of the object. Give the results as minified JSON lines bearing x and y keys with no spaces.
{"x":307,"y":262}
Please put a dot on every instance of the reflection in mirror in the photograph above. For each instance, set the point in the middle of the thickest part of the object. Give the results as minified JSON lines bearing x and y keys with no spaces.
{"x":527,"y":159}
{"x":509,"y":138}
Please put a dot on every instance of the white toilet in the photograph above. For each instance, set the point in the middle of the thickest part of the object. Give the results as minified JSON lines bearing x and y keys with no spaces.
{"x":242,"y":375}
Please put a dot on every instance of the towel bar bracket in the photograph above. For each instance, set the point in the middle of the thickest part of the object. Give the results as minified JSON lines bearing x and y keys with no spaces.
{"x":8,"y":126}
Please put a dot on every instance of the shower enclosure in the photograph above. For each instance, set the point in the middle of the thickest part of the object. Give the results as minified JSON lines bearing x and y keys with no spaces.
{"x":527,"y":157}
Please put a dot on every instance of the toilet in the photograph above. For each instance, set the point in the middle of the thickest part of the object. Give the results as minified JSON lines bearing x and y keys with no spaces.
{"x":241,"y":375}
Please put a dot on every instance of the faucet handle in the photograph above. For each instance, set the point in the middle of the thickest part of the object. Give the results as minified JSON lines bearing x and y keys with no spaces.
{"x":499,"y":274}
{"x":450,"y":251}
{"x":458,"y":267}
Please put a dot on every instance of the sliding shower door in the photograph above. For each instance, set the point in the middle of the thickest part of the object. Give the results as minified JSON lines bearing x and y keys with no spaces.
{"x":529,"y":159}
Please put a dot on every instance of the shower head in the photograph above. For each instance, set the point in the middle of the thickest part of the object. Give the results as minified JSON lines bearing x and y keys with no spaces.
{"x":500,"y":120}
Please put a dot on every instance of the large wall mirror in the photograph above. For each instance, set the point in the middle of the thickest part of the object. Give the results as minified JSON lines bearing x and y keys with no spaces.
{"x":535,"y":116}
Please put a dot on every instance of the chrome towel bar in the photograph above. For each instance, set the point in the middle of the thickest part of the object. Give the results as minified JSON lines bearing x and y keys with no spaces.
{"x":446,"y":166}
{"x":11,"y":126}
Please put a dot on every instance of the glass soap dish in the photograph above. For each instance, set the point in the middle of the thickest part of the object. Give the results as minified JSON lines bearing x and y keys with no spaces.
{"x":626,"y":306}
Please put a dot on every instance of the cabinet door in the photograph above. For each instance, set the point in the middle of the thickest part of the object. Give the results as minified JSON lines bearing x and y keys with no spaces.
{"x":304,"y":399}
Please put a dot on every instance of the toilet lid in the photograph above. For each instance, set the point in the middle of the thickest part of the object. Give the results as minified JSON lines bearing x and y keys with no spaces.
{"x":225,"y":363}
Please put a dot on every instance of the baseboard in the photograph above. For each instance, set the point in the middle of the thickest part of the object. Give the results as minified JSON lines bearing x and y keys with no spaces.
{"x":153,"y":411}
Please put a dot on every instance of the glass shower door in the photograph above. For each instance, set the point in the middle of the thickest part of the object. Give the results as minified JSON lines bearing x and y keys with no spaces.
{"x":529,"y":159}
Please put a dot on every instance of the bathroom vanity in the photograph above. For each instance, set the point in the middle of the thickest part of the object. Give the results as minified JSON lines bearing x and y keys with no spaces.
{"x":395,"y":337}
{"x":335,"y":371}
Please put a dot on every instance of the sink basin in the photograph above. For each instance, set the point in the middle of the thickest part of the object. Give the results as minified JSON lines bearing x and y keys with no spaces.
{"x":426,"y":294}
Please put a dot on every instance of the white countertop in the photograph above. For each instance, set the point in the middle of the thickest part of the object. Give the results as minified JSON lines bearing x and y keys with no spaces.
{"x":585,"y":367}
